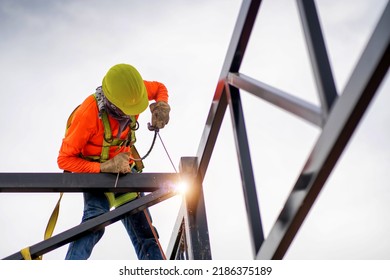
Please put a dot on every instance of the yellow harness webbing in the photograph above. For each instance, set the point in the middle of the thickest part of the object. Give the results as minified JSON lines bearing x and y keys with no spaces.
{"x":108,"y":142}
{"x":51,"y":224}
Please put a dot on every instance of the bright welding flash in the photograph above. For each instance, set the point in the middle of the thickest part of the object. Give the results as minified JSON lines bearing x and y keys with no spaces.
{"x":182,"y":187}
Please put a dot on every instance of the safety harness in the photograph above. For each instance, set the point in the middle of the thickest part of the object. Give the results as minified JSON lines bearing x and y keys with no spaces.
{"x":108,"y":142}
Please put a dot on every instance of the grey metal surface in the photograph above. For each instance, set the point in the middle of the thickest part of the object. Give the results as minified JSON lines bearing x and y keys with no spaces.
{"x":343,"y":119}
{"x":318,"y":55}
{"x":195,"y":219}
{"x":242,"y":30}
{"x":246,"y":170}
{"x":80,"y":182}
{"x":279,"y":98}
{"x":96,"y":223}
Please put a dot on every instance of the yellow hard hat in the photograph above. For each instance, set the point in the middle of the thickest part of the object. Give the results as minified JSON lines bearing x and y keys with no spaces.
{"x":124,"y":87}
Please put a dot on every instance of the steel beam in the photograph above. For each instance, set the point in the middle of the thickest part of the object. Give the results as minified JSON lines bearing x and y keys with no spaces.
{"x":182,"y":252}
{"x":345,"y":116}
{"x":97,"y":223}
{"x":241,"y":33}
{"x":246,"y":170}
{"x":232,"y":63}
{"x":318,"y":55}
{"x":195,"y":220}
{"x":277,"y":97}
{"x":211,"y":130}
{"x":176,"y":237}
{"x":82,"y":182}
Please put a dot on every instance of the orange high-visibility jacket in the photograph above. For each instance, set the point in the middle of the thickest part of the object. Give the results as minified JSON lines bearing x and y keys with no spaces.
{"x":84,"y":137}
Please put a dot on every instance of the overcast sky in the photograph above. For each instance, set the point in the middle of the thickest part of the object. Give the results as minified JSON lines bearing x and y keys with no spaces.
{"x":53,"y":54}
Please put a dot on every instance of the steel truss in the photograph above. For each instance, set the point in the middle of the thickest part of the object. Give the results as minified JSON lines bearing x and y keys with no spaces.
{"x":338,"y":116}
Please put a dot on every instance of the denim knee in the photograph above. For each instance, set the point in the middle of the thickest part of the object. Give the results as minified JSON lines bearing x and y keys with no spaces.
{"x":95,"y":204}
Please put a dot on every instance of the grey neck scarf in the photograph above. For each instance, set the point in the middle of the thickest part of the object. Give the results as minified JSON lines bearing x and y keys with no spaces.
{"x":112,"y":110}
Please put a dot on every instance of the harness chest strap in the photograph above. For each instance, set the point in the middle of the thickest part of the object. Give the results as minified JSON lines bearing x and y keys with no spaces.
{"x":107,"y":143}
{"x":115,"y":201}
{"x":108,"y":140}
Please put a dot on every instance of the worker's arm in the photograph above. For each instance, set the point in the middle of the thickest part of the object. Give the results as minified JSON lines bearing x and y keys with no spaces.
{"x":156,"y":91}
{"x":160,"y":109}
{"x":84,"y":125}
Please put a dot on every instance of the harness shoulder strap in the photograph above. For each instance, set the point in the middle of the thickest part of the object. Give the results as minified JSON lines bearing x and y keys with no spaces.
{"x":107,"y":139}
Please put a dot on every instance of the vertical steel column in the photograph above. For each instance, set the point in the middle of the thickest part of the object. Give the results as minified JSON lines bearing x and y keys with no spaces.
{"x":182,"y":252}
{"x":246,"y":170}
{"x":318,"y":55}
{"x":195,"y":220}
{"x":177,"y":247}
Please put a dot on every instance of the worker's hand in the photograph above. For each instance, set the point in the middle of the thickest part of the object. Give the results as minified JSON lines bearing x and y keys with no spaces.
{"x":118,"y":164}
{"x":160,"y":114}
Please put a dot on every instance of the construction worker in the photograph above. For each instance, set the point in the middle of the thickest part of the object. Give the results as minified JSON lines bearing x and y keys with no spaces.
{"x":112,"y":113}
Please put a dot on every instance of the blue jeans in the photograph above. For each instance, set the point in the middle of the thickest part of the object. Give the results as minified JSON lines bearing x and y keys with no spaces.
{"x":137,"y":226}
